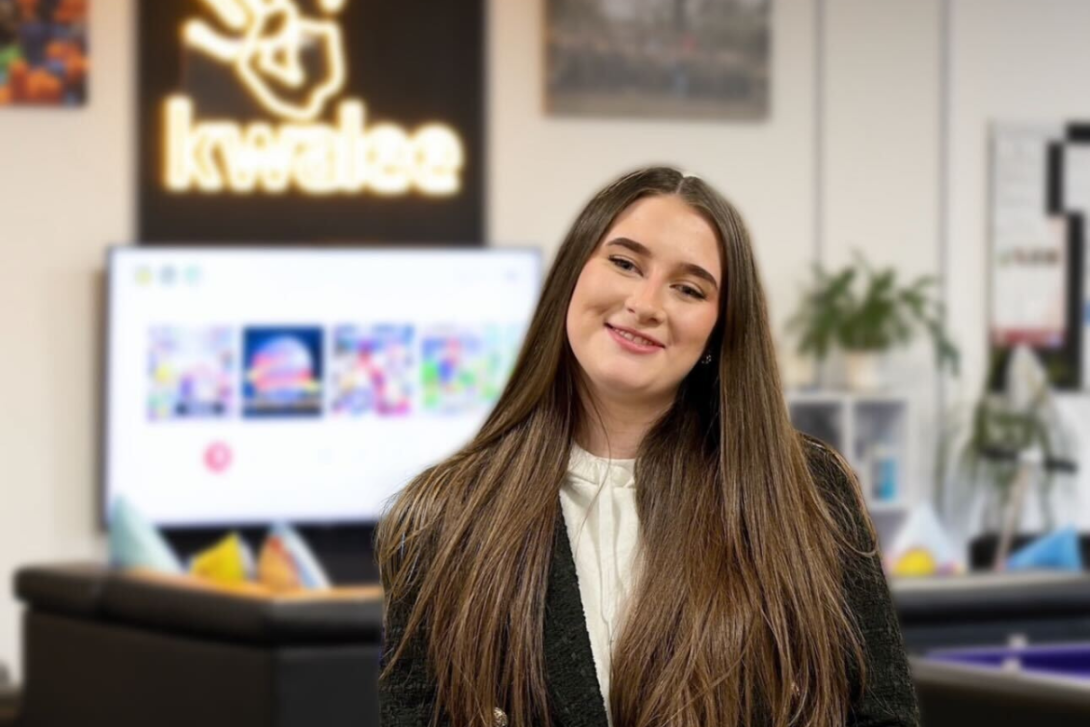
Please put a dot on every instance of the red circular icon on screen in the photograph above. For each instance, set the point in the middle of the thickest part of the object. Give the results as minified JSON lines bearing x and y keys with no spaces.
{"x":217,"y":457}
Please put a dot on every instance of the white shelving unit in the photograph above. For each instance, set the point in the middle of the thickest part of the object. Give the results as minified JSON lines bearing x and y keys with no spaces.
{"x":874,"y":433}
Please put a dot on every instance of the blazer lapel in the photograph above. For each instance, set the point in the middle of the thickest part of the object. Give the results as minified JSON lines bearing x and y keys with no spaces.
{"x":569,"y":661}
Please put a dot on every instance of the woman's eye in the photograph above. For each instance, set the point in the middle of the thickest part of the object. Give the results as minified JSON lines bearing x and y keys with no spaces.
{"x":691,"y":292}
{"x":622,"y":263}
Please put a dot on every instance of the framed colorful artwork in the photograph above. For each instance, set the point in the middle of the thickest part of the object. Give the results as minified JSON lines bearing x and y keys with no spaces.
{"x":43,"y":52}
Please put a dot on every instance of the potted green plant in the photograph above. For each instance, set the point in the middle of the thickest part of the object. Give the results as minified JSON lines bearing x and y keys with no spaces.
{"x":864,"y":312}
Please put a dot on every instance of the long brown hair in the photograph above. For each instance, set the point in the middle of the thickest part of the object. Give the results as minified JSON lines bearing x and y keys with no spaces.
{"x":744,"y":620}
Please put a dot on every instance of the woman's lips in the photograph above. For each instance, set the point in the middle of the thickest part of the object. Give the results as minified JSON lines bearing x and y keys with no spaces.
{"x":630,"y":345}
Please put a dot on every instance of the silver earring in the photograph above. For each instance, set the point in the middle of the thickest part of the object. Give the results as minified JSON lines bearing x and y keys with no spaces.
{"x":707,"y":359}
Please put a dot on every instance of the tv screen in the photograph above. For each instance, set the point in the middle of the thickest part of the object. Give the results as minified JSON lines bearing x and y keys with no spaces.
{"x":250,"y":386}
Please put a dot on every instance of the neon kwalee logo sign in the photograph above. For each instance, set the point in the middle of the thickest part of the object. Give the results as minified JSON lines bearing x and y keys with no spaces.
{"x":264,"y":51}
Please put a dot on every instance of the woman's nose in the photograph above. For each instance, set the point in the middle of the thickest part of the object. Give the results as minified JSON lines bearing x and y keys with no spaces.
{"x":644,"y":302}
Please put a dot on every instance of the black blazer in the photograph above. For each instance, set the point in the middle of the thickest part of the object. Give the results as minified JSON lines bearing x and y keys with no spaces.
{"x":407,"y":697}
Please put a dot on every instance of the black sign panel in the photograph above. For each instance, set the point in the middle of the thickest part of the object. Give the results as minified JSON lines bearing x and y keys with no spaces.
{"x":311,"y":121}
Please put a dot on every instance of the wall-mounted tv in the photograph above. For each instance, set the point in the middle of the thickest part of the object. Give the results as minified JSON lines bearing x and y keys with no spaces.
{"x":246,"y":386}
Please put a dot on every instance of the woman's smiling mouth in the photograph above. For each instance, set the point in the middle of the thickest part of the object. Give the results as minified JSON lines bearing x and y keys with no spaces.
{"x":632,"y":341}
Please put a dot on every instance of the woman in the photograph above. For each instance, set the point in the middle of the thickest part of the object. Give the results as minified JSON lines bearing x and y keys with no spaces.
{"x":724,"y":571}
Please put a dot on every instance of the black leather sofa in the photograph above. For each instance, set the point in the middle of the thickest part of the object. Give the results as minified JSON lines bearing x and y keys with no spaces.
{"x":989,"y":609}
{"x":106,"y":648}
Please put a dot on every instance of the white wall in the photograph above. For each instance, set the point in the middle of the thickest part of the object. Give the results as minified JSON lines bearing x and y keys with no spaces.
{"x":881,"y":165}
{"x":67,"y":190}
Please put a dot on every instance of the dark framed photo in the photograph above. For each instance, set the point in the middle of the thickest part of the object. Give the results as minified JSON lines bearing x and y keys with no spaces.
{"x":679,"y":59}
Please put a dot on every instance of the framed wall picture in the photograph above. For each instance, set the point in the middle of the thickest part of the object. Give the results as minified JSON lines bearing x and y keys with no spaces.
{"x":43,"y":53}
{"x":311,"y":121}
{"x":680,"y":59}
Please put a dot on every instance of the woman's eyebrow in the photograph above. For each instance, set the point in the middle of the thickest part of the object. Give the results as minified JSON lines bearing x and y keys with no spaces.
{"x":641,"y":249}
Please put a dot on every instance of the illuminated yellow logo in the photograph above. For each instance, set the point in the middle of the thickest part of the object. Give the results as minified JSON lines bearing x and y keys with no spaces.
{"x":265,"y":49}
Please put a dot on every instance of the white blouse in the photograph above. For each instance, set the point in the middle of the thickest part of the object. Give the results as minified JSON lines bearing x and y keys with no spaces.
{"x":598,"y":499}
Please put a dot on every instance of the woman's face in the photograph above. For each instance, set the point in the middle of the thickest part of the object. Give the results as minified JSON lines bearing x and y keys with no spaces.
{"x":647,"y":301}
